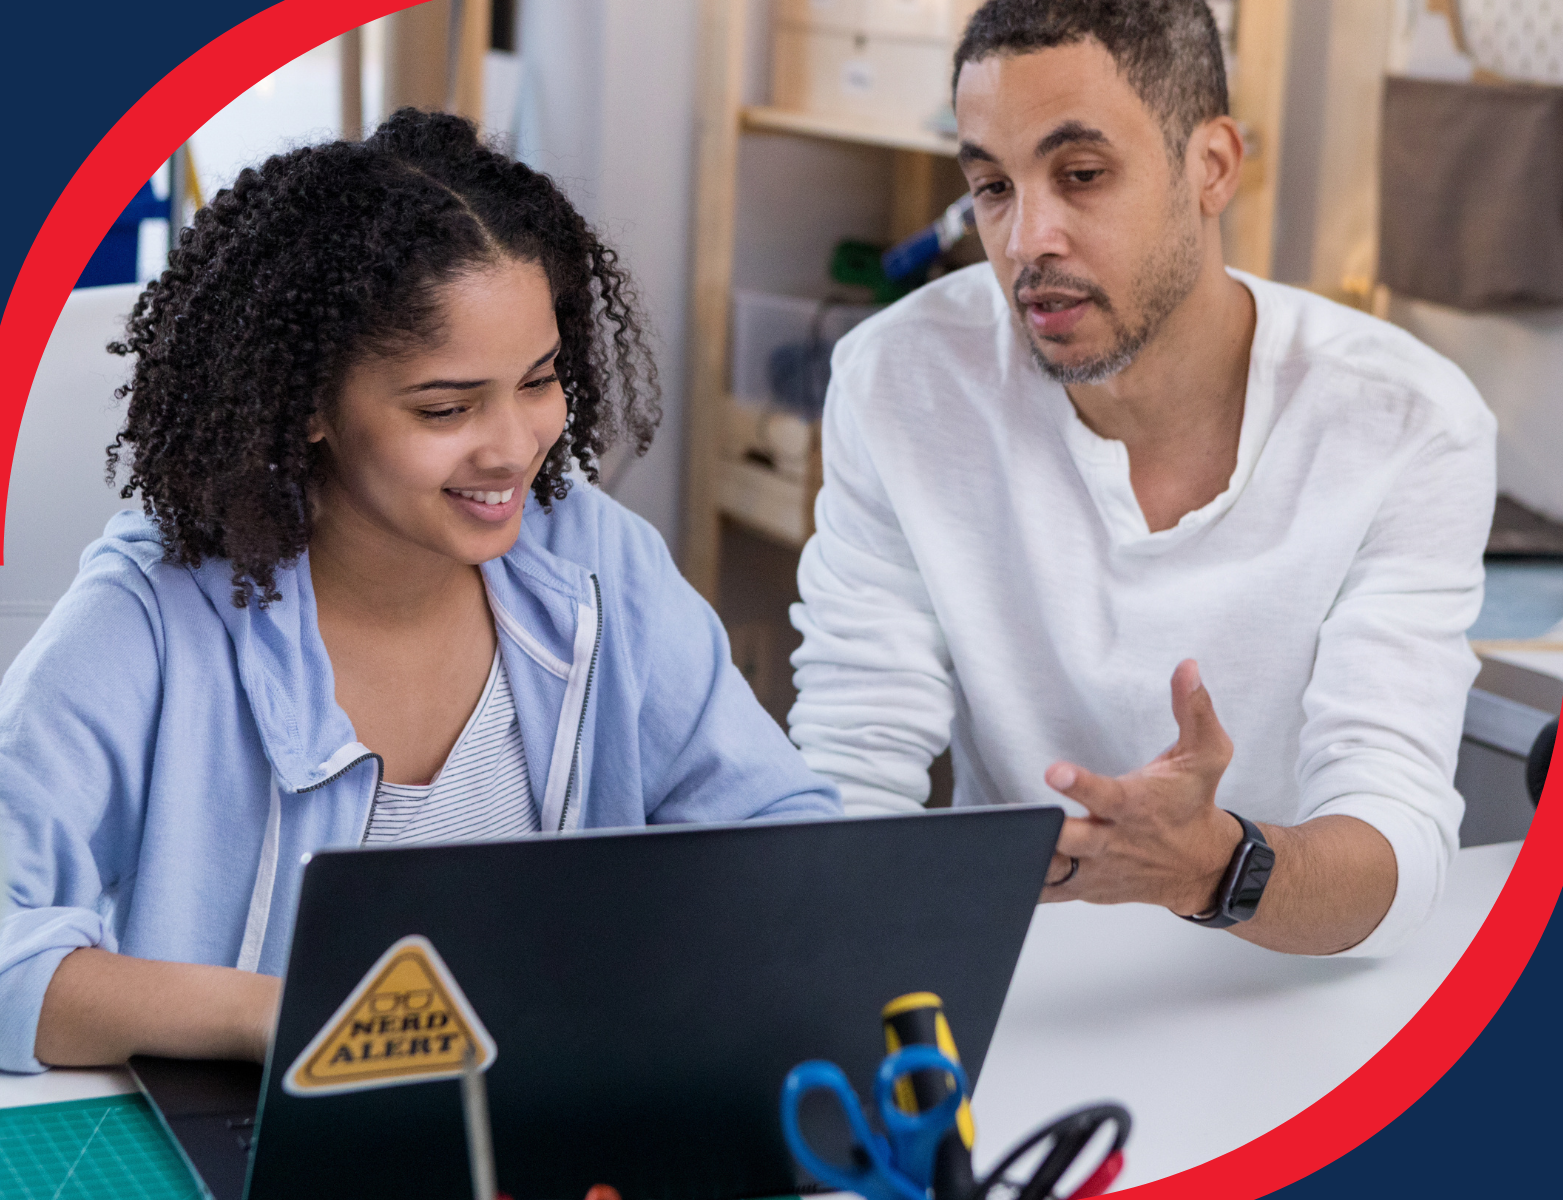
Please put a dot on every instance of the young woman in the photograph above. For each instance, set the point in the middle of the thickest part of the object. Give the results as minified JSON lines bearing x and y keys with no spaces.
{"x":365,"y":605}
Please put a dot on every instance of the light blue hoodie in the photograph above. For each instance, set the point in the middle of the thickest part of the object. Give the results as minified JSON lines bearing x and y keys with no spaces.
{"x":167,"y":759}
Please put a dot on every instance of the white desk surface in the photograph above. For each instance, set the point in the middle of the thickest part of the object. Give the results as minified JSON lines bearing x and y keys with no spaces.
{"x":62,"y":1083}
{"x":1209,"y":1041}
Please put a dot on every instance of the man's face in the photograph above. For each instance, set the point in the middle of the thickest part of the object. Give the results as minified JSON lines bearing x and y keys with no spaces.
{"x":1092,"y":232}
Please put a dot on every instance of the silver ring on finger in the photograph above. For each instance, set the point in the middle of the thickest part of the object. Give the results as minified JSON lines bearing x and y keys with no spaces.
{"x":1074,"y":869}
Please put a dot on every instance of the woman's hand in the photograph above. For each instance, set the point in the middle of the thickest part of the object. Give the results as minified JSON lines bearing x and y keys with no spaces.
{"x":100,"y":1008}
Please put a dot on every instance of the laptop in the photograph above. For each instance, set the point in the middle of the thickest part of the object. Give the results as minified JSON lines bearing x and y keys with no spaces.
{"x":636,"y":997}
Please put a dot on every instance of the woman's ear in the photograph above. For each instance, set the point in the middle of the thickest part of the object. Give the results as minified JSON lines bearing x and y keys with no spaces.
{"x":315,"y":431}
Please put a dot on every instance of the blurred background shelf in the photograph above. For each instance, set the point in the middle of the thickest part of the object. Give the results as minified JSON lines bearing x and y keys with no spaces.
{"x":782,"y":185}
{"x":816,"y":124}
{"x":764,"y":118}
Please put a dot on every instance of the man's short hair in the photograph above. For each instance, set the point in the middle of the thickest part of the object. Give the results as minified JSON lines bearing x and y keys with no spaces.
{"x":1168,"y":50}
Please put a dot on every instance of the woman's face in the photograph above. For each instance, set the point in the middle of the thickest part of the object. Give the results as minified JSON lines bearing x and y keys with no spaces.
{"x":438,"y":448}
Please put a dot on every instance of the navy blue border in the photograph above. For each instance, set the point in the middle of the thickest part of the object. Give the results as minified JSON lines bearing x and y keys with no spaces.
{"x":68,"y":70}
{"x":1485,"y":1128}
{"x":72,"y":69}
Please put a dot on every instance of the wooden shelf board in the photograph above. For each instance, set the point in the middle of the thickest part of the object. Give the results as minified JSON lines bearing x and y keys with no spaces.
{"x":847,"y":129}
{"x":766,"y":502}
{"x":786,"y":439}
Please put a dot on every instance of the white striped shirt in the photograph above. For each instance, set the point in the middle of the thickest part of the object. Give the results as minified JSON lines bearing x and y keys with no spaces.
{"x":482,"y":793}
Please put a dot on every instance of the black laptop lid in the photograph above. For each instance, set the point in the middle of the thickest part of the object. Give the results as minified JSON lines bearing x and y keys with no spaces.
{"x":647,"y":990}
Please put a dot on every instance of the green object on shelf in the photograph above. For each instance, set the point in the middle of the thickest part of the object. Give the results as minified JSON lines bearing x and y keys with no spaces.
{"x":107,"y":1147}
{"x":857,"y":264}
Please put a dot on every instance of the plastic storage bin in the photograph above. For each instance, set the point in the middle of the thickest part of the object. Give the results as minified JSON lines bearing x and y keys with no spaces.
{"x":764,"y":322}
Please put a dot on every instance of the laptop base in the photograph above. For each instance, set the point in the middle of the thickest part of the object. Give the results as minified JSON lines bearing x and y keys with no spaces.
{"x":208,"y":1109}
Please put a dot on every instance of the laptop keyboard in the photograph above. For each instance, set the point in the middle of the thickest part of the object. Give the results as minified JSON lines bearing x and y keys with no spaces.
{"x":244,"y":1130}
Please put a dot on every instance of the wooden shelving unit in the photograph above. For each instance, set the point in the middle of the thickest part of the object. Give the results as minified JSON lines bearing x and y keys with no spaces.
{"x":760,"y":471}
{"x":1258,"y":101}
{"x":768,"y":484}
{"x":765,"y":119}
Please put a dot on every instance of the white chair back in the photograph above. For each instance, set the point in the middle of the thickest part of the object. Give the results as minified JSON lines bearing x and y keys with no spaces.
{"x":59,"y":500}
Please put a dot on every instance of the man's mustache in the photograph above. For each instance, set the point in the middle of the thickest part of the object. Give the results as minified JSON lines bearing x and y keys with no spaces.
{"x":1041,"y":278}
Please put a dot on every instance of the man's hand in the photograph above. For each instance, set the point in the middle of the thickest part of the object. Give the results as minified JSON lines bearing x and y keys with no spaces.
{"x":1154,"y":835}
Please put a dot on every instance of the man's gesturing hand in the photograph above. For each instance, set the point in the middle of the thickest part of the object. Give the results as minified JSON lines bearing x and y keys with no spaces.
{"x":1154,"y":835}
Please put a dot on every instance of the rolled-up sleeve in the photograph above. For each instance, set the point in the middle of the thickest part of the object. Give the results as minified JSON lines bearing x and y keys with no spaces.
{"x":707,"y":750}
{"x":77,"y":711}
{"x":32,"y":945}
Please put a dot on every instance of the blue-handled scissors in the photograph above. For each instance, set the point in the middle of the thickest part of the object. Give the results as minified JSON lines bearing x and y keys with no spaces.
{"x":894,"y":1167}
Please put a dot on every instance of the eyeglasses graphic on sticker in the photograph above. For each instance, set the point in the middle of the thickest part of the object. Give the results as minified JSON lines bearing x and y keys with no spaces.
{"x":389,"y":1002}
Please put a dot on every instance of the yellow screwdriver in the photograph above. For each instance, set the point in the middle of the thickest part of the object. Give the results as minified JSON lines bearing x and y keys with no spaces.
{"x":917,"y":1019}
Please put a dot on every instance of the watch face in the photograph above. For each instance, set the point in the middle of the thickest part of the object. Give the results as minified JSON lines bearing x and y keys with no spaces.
{"x":1250,"y":882}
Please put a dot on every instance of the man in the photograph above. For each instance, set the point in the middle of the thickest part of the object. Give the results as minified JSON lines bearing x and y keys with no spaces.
{"x":1102,"y":459}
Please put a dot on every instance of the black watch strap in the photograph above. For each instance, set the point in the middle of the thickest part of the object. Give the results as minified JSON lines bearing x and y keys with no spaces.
{"x":1237,"y":899}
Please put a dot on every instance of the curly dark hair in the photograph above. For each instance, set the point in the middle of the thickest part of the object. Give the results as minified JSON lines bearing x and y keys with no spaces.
{"x":320,"y":256}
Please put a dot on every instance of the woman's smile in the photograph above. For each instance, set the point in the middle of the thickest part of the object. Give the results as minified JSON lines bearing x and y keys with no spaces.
{"x":468,"y":417}
{"x":493,"y":507}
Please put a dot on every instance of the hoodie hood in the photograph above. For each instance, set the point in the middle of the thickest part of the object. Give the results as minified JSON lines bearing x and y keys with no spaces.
{"x":285,"y":672}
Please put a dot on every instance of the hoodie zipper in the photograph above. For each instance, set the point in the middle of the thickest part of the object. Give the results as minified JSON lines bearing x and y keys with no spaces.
{"x":379,"y":773}
{"x":586,"y":696}
{"x":357,"y":762}
{"x":266,"y":877}
{"x":575,"y":759}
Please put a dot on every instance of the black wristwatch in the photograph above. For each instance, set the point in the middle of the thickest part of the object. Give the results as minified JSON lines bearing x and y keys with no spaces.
{"x":1244,"y":882}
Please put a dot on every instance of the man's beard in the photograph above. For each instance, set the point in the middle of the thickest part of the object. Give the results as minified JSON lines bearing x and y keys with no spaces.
{"x":1164,"y":281}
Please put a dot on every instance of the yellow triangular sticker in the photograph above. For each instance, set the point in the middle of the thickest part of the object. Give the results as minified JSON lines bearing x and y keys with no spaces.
{"x":407,"y":1021}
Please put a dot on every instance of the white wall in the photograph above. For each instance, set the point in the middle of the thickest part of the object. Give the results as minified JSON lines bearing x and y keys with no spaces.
{"x":796,"y":198}
{"x":1326,"y":219}
{"x":59,"y":500}
{"x":1516,"y":362}
{"x":296,"y":105}
{"x":608,"y":109}
{"x":1327,"y":234}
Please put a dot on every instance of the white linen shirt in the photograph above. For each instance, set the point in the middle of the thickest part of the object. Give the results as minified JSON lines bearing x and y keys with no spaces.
{"x":982,"y":577}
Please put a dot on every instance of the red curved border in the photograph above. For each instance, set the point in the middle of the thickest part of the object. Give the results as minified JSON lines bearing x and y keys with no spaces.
{"x":1415,"y":1058}
{"x":140,"y":141}
{"x":1388,"y":1084}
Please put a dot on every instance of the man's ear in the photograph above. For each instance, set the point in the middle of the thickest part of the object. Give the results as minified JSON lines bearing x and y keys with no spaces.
{"x":1215,"y":162}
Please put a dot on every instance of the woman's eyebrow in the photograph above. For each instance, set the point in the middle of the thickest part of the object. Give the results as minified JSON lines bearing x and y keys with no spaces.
{"x":545,"y":358}
{"x":447,"y":385}
{"x":467,"y":385}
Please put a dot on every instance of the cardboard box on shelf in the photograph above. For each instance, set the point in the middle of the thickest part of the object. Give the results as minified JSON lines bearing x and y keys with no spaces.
{"x":942,"y":20}
{"x":883,"y":60}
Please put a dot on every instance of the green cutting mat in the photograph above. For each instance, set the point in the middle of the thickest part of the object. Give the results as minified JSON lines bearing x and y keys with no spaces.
{"x":110,"y":1147}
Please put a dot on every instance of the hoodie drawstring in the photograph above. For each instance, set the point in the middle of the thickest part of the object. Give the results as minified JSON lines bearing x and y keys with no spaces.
{"x":265,"y":882}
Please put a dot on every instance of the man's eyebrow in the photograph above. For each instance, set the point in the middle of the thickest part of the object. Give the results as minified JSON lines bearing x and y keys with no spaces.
{"x":1069,"y":133}
{"x":971,"y":152}
{"x":1066,"y":134}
